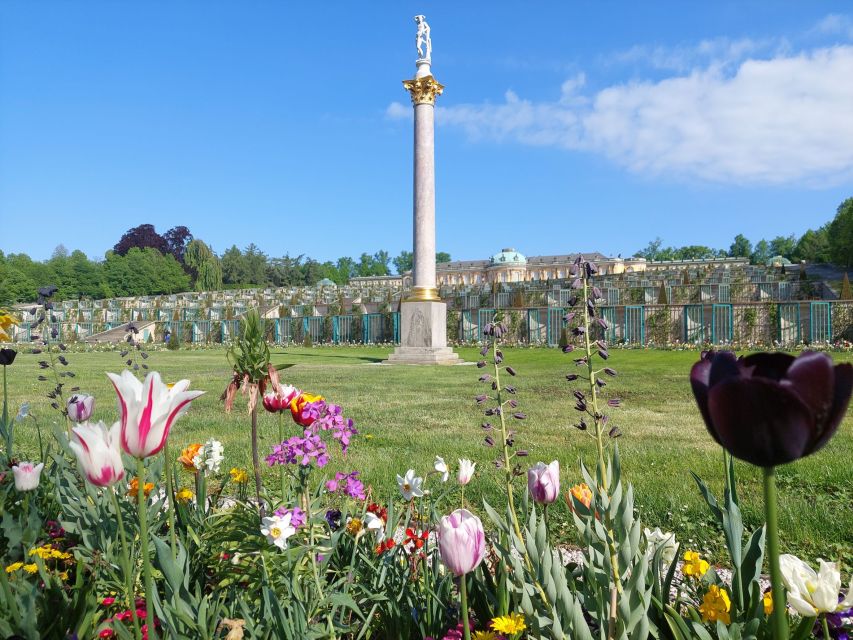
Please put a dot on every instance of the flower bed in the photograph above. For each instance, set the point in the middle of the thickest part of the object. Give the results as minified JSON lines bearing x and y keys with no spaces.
{"x":113,"y":534}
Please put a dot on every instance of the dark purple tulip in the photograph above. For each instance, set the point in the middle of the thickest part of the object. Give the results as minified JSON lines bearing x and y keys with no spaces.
{"x":572,"y":377}
{"x":579,"y":331}
{"x":614,"y":402}
{"x":510,"y":371}
{"x":600,"y":383}
{"x":481,"y":364}
{"x":578,"y":395}
{"x":603,"y":354}
{"x":522,"y":453}
{"x":490,"y":441}
{"x":485,"y":378}
{"x":602,"y":323}
{"x":7,"y":356}
{"x":614,"y":432}
{"x":568,"y":348}
{"x":519,"y":415}
{"x":610,"y":372}
{"x":580,"y":405}
{"x":591,"y":268}
{"x":771,"y":408}
{"x":577,"y":284}
{"x":481,"y":399}
{"x":47,"y":291}
{"x":596,"y":293}
{"x":487,"y":426}
{"x":513,"y":403}
{"x":484,"y":351}
{"x":569,"y":317}
{"x":581,"y":425}
{"x":510,"y":389}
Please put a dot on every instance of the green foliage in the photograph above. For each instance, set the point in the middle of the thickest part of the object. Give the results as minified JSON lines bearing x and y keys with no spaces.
{"x":741,"y":247}
{"x":249,"y":355}
{"x":841,"y":235}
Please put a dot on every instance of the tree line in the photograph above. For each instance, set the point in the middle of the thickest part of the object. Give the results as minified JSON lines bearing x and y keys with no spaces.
{"x":833,"y":242}
{"x":145,"y":262}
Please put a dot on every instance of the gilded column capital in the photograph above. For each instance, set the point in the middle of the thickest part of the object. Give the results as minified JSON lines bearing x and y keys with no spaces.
{"x":423,"y":90}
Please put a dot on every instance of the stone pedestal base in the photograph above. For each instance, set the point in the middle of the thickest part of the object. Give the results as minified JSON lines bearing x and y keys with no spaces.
{"x":423,"y":335}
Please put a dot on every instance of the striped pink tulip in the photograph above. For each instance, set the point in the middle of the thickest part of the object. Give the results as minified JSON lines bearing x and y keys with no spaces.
{"x":148,"y":410}
{"x":98,"y":452}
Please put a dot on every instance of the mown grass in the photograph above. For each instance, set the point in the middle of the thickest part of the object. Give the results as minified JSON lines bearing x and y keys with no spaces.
{"x":407,"y":415}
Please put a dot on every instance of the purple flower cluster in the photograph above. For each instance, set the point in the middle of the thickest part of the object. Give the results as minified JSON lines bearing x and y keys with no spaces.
{"x":330,"y":418}
{"x":297,"y":515}
{"x":320,"y":416}
{"x":348,"y":484}
{"x":300,"y":450}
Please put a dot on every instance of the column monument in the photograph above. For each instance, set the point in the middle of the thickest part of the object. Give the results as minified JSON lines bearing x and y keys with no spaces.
{"x":423,"y":316}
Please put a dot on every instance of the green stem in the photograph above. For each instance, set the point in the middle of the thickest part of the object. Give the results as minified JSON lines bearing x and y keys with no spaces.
{"x":6,"y":424}
{"x":170,"y":494}
{"x":125,"y":561}
{"x":143,"y":539}
{"x":825,"y":627}
{"x":463,"y":597}
{"x":256,"y":460}
{"x":779,"y":623}
{"x":281,"y":473}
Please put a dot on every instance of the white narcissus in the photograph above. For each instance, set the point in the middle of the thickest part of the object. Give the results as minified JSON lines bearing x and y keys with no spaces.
{"x":374,"y":523}
{"x":148,"y":410}
{"x":98,"y":452}
{"x":810,"y":593}
{"x":466,"y":471}
{"x":27,"y":475}
{"x":461,"y":541}
{"x":410,"y":485}
{"x":441,"y":467}
{"x":209,"y":458}
{"x":278,"y":529}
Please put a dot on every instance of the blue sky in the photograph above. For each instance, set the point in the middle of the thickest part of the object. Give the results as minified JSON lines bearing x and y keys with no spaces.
{"x":564,"y":125}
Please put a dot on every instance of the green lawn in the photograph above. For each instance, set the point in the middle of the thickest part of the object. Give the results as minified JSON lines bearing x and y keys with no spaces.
{"x":407,"y":415}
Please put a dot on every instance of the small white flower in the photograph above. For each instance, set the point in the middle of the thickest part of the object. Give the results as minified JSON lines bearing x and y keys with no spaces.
{"x":658,"y":539}
{"x":410,"y":485}
{"x":466,"y":471}
{"x":278,"y":529}
{"x":209,"y":458}
{"x":27,"y":475}
{"x":441,"y":467}
{"x":374,"y":523}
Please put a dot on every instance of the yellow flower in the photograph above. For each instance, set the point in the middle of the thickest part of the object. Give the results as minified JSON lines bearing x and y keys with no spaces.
{"x":184,"y":495}
{"x":716,"y":605}
{"x":47,"y":552}
{"x":485,"y":635}
{"x":513,"y":623}
{"x":6,"y":322}
{"x":31,"y":568}
{"x":768,"y":603}
{"x":239,"y":476}
{"x":694,"y":565}
{"x":354,"y":526}
{"x":134,"y":488}
{"x":63,"y":576}
{"x":14,"y":567}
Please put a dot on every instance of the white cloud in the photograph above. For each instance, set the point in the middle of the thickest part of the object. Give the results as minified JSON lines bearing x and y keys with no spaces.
{"x":788,"y":118}
{"x":835,"y":24}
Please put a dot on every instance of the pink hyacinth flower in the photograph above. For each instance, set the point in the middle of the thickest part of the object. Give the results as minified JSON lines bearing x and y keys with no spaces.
{"x":98,"y":452}
{"x":148,"y":410}
{"x":461,"y":541}
{"x":543,"y":481}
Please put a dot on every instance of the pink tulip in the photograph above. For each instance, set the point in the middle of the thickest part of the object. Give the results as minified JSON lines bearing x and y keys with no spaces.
{"x":461,"y":541}
{"x":98,"y":452}
{"x":148,"y":410}
{"x":543,"y":481}
{"x":27,"y":475}
{"x":280,"y":400}
{"x":80,"y":407}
